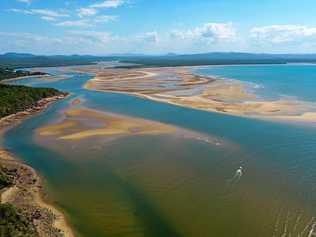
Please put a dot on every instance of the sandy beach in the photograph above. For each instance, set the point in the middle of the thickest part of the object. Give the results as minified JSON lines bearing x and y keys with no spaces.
{"x":180,"y":86}
{"x":27,"y":193}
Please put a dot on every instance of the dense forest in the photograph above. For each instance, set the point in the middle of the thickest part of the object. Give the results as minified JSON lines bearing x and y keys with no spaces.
{"x":15,"y":99}
{"x":8,"y":73}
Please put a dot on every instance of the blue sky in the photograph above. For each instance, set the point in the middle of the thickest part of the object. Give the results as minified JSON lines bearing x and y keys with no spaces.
{"x":104,"y":27}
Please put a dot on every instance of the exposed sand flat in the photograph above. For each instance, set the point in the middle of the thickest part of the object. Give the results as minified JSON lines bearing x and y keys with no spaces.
{"x":179,"y":86}
{"x":85,"y":123}
{"x":305,"y":117}
{"x":46,"y":77}
{"x":149,"y":81}
{"x":76,"y":102}
{"x":226,"y":90}
{"x":125,"y":76}
{"x":55,"y":78}
{"x":57,"y":129}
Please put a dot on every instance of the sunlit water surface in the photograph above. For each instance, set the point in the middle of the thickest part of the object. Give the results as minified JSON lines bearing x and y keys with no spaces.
{"x":170,"y":186}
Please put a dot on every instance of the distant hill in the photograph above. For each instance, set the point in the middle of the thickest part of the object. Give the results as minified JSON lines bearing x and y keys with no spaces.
{"x":17,"y":55}
{"x":219,"y":58}
{"x":18,"y":60}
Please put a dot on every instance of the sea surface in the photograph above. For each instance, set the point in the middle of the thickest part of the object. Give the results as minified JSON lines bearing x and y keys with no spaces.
{"x":169,"y":186}
{"x":297,"y":81}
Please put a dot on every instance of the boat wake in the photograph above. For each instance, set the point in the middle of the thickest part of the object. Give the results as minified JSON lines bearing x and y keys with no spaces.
{"x":238,"y":174}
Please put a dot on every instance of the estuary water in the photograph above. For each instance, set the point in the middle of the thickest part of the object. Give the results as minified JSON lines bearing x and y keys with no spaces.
{"x":161,"y":185}
{"x":272,"y":81}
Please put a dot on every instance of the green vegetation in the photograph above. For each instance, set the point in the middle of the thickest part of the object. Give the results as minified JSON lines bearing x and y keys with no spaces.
{"x":13,"y":221}
{"x":15,"y":224}
{"x":5,"y":179}
{"x":218,"y":58}
{"x":15,"y":99}
{"x":7,"y":73}
{"x":17,"y":60}
{"x":204,"y":59}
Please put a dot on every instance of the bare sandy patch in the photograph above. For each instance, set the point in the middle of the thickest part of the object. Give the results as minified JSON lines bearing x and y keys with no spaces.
{"x":84,"y":123}
{"x":179,"y":86}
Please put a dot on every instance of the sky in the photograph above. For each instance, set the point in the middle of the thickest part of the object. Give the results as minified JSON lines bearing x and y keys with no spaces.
{"x":104,"y":27}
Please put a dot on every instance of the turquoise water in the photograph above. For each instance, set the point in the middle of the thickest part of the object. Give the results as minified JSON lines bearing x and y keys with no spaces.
{"x":166,"y":186}
{"x":272,"y":81}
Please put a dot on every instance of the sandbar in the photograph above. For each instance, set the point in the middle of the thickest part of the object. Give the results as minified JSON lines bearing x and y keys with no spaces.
{"x":182,"y":87}
{"x":82,"y":123}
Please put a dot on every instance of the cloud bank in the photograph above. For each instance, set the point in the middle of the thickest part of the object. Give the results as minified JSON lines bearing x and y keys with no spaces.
{"x":283,"y":33}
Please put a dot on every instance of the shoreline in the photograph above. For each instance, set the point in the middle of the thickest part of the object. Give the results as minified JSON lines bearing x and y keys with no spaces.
{"x":47,"y":77}
{"x":11,"y":120}
{"x":307,"y":117}
{"x":23,"y":77}
{"x":27,"y":193}
{"x":218,"y":95}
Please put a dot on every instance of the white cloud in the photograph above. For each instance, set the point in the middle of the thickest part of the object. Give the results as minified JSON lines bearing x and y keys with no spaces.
{"x":48,"y":18}
{"x":94,"y":36}
{"x":148,"y":37}
{"x":93,"y":9}
{"x":104,"y":18}
{"x":108,"y":4}
{"x":86,"y":16}
{"x":83,"y":12}
{"x":210,"y":32}
{"x":78,"y":23}
{"x":26,"y":42}
{"x":45,"y":14}
{"x":99,"y":42}
{"x":73,"y":42}
{"x":25,"y":1}
{"x":283,"y":33}
{"x":87,"y":22}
